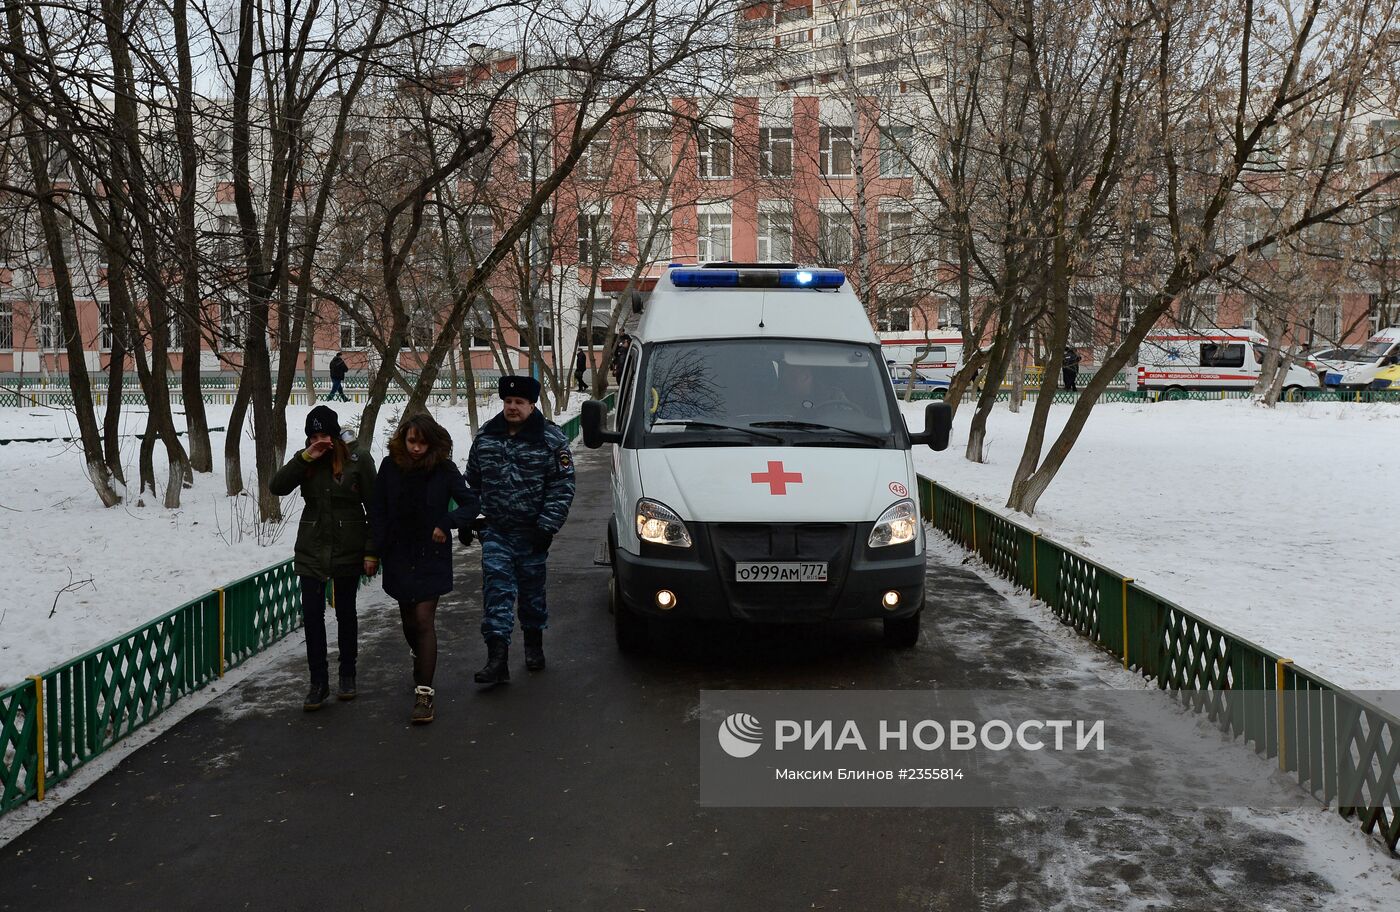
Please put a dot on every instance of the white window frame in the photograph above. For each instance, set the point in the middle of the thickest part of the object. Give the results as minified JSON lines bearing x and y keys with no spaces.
{"x":827,"y":155}
{"x":651,"y":139}
{"x":714,"y":233}
{"x":713,"y":148}
{"x":357,"y":339}
{"x":896,"y":242}
{"x":655,"y":218}
{"x":767,"y":143}
{"x":586,"y":231}
{"x":534,"y":151}
{"x":7,"y":325}
{"x":771,"y":248}
{"x":827,"y":218}
{"x":894,"y":159}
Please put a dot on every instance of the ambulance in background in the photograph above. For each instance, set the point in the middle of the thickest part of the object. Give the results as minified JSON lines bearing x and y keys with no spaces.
{"x":761,"y":467}
{"x":1174,"y":362}
{"x":1381,"y":351}
{"x":939,"y":354}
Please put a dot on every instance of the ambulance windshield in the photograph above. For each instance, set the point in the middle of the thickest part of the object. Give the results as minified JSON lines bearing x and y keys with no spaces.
{"x":801,"y":388}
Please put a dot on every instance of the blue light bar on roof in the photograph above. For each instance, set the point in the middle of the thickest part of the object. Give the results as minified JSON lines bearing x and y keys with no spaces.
{"x":758,"y":278}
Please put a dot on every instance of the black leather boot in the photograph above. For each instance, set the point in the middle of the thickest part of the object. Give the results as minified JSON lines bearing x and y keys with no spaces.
{"x":534,"y":650}
{"x":347,"y":687}
{"x":317,"y":695}
{"x":496,"y":670}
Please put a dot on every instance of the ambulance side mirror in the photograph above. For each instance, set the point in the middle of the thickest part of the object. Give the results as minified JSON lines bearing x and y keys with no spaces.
{"x":938,"y":422}
{"x":591,"y":420}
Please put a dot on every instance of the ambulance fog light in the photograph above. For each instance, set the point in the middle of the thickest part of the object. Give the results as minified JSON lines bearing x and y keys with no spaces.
{"x":665,"y":599}
{"x":659,"y":524}
{"x":897,"y":525}
{"x":890,"y":600}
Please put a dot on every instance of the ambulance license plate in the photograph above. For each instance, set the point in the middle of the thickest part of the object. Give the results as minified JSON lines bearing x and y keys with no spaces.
{"x":780,"y":571}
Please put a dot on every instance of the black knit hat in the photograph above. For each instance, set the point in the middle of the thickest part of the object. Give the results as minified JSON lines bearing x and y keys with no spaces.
{"x":519,"y":385}
{"x":321,"y":420}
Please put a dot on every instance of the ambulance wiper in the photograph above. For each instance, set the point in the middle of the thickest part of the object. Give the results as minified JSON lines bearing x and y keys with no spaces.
{"x":691,"y":423}
{"x":814,"y":426}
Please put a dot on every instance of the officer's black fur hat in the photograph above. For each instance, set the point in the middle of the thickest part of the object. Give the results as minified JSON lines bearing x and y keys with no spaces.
{"x":519,"y":385}
{"x":322,"y":420}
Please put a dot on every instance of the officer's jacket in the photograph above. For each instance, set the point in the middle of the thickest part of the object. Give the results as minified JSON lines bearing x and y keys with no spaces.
{"x":525,"y":481}
{"x":333,"y":537}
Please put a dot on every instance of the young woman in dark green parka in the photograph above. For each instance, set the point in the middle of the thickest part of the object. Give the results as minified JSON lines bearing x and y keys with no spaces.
{"x":333,"y":543}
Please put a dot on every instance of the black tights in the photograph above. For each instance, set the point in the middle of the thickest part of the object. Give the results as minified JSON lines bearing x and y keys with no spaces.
{"x":420,"y":630}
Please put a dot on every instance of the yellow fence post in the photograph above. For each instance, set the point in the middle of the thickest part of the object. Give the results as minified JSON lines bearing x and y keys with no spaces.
{"x":1282,"y":713}
{"x":1035,"y":564}
{"x":39,"y":740}
{"x":221,"y":632}
{"x":1126,"y":581}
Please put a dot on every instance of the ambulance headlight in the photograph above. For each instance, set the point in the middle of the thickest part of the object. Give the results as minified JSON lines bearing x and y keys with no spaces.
{"x":659,"y":524}
{"x":897,"y":525}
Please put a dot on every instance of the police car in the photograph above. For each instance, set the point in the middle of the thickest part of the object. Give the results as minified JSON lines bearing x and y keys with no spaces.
{"x":761,"y":467}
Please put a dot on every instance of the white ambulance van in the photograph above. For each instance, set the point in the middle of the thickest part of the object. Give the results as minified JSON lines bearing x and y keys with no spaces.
{"x":1380,"y":352}
{"x":939,"y":354}
{"x":761,"y":467}
{"x":1172,"y":362}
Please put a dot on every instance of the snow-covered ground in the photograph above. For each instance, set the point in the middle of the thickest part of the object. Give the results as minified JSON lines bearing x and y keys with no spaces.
{"x":142,"y":560}
{"x":1279,"y":525}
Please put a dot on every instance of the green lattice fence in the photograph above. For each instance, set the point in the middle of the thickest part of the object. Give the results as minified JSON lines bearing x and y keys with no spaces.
{"x":93,"y":701}
{"x":1341,"y":748}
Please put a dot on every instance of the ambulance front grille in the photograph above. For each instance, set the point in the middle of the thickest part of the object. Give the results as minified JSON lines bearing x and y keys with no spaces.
{"x":829,"y":542}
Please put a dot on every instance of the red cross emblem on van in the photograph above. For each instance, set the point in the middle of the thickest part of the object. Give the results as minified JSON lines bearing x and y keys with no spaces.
{"x":776,"y":478}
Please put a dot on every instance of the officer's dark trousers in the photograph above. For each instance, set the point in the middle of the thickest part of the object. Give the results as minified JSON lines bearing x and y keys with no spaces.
{"x":1071,"y":378}
{"x":511,"y":573}
{"x":337,"y":390}
{"x":313,"y":610}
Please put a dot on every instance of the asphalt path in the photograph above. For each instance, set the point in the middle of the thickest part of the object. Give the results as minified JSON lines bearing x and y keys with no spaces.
{"x":576,"y":788}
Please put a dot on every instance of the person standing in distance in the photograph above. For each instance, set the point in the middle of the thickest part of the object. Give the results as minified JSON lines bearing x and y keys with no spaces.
{"x":412,"y":519}
{"x":1069,"y":369}
{"x":580,"y":368}
{"x":333,"y":543}
{"x":521,"y":468}
{"x":338,"y":371}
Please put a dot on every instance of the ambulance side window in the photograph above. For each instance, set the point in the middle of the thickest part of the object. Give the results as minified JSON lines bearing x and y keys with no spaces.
{"x":1228,"y":355}
{"x":624,"y":394}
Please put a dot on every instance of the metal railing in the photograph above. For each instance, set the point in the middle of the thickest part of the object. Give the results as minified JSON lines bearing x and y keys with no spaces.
{"x":53,"y":723}
{"x":1342,"y":749}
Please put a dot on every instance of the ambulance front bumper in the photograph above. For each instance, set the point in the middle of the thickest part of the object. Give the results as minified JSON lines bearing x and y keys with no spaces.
{"x":702,"y":577}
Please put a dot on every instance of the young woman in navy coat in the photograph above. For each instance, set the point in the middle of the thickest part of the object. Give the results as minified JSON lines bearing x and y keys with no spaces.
{"x":420,"y":496}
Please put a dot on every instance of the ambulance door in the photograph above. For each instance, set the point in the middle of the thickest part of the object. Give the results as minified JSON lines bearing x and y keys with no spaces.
{"x":625,"y":483}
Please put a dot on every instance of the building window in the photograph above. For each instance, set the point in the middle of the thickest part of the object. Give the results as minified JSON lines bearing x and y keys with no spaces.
{"x":357,"y":153}
{"x":594,"y":237}
{"x":1327,"y":321}
{"x":653,"y":152}
{"x":536,"y":246}
{"x":50,"y":326}
{"x":1379,"y":308}
{"x":542,"y":314}
{"x":896,"y":142}
{"x":221,"y":154}
{"x":233,"y":324}
{"x":352,"y":335}
{"x":1081,"y":320}
{"x":775,"y":237}
{"x":480,"y":232}
{"x":420,"y":328}
{"x":533,"y":159}
{"x":1130,"y":306}
{"x":713,"y":151}
{"x":835,"y":158}
{"x":597,"y":315}
{"x":712,"y":235}
{"x":775,"y":151}
{"x":896,"y":237}
{"x":104,"y":326}
{"x":654,"y":228}
{"x":480,"y":327}
{"x":834,"y":239}
{"x":597,"y":159}
{"x":7,"y":325}
{"x":893,"y":316}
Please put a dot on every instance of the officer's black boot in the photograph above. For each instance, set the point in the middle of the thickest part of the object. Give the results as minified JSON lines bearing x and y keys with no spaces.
{"x":534,"y":650}
{"x":497,"y":668}
{"x":347,"y":687}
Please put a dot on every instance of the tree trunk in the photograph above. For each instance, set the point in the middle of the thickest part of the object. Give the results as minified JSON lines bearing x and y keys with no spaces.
{"x":201,"y":451}
{"x":78,"y":381}
{"x":233,"y":439}
{"x":1018,"y":377}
